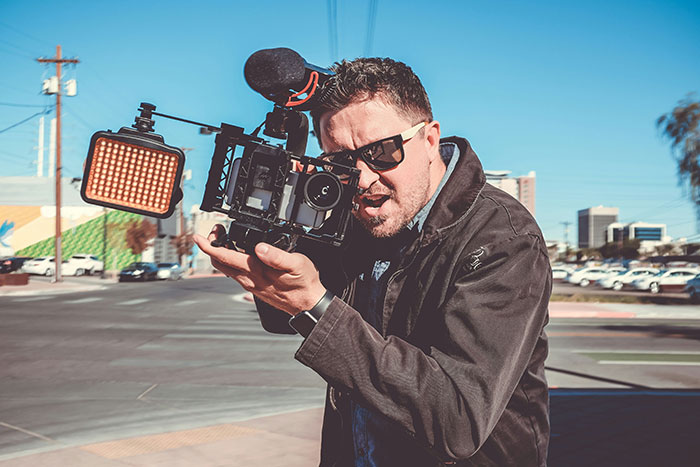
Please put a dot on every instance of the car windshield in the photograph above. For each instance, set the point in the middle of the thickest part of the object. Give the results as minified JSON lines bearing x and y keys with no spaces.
{"x":137,"y":266}
{"x":166,"y":265}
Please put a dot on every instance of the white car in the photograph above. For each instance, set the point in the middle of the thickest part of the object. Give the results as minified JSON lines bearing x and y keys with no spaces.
{"x":625,"y":278}
{"x":85,"y":264}
{"x":668,"y":280}
{"x":43,"y":266}
{"x":585,"y":276}
{"x":559,"y":273}
{"x":170,"y":271}
{"x":69,"y":268}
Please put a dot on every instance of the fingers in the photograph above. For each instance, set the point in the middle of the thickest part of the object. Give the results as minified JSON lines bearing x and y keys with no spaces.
{"x":276,"y":258}
{"x":240,"y":262}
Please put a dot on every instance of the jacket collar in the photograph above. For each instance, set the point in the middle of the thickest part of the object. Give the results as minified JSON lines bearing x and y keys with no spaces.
{"x":460,"y":191}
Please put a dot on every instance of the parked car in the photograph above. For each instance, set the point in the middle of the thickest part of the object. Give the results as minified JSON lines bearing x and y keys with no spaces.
{"x":12,"y":263}
{"x":86,"y":264}
{"x":69,"y":268}
{"x":139,"y":271}
{"x":585,"y":276}
{"x":43,"y":266}
{"x":668,"y":280}
{"x":560,"y":272}
{"x":692,"y":287}
{"x":170,"y":271}
{"x":625,"y":278}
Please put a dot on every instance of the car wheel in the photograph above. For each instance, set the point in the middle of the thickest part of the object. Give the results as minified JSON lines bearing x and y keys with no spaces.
{"x":617,"y":286}
{"x":90,"y":272}
{"x":584,"y":283}
{"x":47,"y":272}
{"x":654,"y":287}
{"x":79,"y":272}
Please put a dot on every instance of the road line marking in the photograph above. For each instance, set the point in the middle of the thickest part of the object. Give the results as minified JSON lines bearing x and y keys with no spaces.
{"x":643,"y":362}
{"x":244,"y":297}
{"x":143,"y":394}
{"x":280,"y":337}
{"x":34,"y":299}
{"x":84,"y":300}
{"x":187,"y":302}
{"x":27,"y":432}
{"x":136,"y":301}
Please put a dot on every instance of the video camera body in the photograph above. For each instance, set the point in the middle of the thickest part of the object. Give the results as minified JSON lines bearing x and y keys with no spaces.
{"x":272,"y":194}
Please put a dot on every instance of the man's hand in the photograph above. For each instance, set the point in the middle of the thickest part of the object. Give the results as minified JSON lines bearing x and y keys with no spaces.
{"x":287,"y":281}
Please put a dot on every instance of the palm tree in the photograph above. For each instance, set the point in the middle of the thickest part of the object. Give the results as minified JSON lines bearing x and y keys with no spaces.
{"x":682,"y":127}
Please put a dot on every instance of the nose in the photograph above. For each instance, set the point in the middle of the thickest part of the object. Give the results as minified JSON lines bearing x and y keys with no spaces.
{"x":367,"y":175}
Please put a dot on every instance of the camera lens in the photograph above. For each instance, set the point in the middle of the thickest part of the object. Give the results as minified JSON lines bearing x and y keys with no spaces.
{"x":322,"y":191}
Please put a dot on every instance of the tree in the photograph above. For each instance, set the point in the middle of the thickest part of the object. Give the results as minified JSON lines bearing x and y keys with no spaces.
{"x":138,"y":234}
{"x":115,"y":240}
{"x":628,"y":250}
{"x":682,"y":127}
{"x":183,"y":245}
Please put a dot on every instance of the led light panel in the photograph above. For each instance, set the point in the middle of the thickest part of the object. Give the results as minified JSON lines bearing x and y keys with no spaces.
{"x":132,"y":176}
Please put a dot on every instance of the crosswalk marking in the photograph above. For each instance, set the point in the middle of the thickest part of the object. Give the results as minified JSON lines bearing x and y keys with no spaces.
{"x":136,"y":301}
{"x":276,"y":337}
{"x":34,"y":299}
{"x":83,"y":300}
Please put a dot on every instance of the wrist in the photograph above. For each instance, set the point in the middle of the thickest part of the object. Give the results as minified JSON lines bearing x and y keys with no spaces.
{"x":305,"y":321}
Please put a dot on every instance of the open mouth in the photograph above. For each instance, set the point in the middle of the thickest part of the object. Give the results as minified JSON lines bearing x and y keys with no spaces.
{"x":375,"y":201}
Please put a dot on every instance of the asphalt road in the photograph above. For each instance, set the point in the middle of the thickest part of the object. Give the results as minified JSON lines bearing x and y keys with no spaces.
{"x":141,"y":358}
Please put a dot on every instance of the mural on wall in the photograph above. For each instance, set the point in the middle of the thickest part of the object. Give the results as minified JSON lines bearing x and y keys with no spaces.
{"x":5,"y":234}
{"x":29,"y":231}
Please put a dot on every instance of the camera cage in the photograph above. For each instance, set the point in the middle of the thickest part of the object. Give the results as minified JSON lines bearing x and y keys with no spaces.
{"x":251,"y":225}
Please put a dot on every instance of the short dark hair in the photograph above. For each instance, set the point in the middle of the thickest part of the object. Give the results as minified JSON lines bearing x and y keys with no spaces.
{"x":366,"y":78}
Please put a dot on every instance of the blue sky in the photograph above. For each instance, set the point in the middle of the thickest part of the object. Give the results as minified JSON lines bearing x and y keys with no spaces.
{"x":570,"y":90}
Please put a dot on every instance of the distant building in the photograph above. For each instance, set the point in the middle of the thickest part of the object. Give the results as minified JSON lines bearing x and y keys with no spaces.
{"x":28,"y":220}
{"x":521,"y":188}
{"x":649,"y":235}
{"x":593,"y":225}
{"x":202,"y":224}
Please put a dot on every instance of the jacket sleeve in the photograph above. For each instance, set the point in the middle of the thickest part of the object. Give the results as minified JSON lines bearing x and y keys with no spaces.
{"x":451,"y":396}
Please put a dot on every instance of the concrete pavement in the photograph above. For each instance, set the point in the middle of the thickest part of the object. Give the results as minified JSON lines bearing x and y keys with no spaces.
{"x":615,"y":427}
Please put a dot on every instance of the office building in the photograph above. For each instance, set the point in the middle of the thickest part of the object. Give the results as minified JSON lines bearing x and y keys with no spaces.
{"x":521,"y":188}
{"x":593,"y":225}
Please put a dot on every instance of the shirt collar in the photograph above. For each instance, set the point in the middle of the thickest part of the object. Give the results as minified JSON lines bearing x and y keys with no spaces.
{"x":450,"y":154}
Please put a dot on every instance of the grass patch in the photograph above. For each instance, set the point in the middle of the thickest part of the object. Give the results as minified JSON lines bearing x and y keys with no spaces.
{"x":590,"y":298}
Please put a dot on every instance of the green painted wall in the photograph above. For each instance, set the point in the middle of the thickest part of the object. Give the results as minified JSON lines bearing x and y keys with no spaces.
{"x":87,"y":238}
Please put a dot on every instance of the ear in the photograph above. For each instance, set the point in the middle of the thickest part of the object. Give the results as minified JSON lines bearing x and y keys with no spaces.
{"x":432,"y":140}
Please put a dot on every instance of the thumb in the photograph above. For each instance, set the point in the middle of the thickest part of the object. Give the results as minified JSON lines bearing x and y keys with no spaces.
{"x":275,"y":258}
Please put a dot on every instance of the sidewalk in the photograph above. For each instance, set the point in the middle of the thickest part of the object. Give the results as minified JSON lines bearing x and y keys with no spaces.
{"x":589,"y":427}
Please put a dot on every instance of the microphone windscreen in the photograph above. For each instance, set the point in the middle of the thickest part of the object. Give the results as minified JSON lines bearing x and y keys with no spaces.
{"x":271,"y":70}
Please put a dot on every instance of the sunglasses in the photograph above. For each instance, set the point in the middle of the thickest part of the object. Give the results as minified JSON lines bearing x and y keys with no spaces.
{"x":380,"y":155}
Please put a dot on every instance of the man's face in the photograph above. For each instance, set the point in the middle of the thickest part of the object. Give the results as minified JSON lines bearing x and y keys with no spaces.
{"x":391,"y":198}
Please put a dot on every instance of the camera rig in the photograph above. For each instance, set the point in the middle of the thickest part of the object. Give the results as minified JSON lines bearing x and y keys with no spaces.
{"x":271,"y":193}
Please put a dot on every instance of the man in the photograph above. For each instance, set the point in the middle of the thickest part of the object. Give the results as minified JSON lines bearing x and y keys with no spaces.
{"x":428,"y":324}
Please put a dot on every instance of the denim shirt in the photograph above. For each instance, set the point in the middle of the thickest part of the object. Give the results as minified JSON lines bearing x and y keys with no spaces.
{"x":370,"y":428}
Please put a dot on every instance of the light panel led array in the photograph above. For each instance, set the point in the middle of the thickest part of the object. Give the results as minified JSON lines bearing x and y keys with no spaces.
{"x":132,"y":176}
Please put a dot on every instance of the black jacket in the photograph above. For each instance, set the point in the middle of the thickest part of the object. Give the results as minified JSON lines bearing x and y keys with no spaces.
{"x":459,"y":364}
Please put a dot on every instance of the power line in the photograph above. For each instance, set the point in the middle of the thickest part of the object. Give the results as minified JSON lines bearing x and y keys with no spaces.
{"x":24,"y":105}
{"x":371,"y":21}
{"x":25,"y":120}
{"x":333,"y":28}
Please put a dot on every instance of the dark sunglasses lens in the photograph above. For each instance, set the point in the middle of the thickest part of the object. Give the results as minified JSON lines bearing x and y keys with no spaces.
{"x":386,"y":154}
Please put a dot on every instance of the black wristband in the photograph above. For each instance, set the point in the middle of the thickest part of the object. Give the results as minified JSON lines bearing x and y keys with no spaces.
{"x":304,"y":322}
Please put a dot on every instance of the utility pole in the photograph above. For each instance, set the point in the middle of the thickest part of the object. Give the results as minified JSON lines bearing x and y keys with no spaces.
{"x":566,"y":235}
{"x":58,"y":60}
